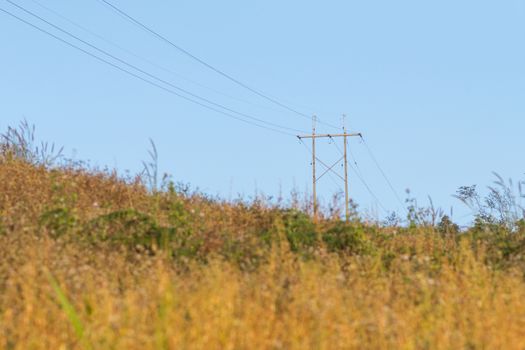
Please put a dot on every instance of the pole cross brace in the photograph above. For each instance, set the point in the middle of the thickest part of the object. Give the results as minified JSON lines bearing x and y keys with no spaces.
{"x":329,"y":169}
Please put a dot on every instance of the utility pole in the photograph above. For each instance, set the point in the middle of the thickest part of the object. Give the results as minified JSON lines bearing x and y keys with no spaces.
{"x":315,"y":179}
{"x":347,"y":209}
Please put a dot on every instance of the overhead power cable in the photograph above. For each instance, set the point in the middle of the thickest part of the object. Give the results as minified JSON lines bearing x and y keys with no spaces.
{"x":374,"y":159}
{"x":156,"y":65}
{"x":336,"y":146}
{"x":356,"y":171}
{"x":329,"y":172}
{"x":149,"y":74}
{"x":149,"y":30}
{"x":360,"y":176}
{"x":140,"y":77}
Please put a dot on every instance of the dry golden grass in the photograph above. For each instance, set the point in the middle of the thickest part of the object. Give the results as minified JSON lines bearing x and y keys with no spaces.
{"x":414,"y":290}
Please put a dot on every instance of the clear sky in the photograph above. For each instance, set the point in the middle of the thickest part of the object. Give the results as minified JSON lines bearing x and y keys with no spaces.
{"x":436,"y":87}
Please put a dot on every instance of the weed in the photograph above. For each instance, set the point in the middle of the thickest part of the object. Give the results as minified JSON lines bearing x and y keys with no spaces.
{"x":20,"y":143}
{"x":67,"y":307}
{"x":501,"y":206}
{"x":151,"y":168}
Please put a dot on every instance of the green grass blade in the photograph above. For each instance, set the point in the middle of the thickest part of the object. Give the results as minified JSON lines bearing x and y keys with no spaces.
{"x":68,"y":308}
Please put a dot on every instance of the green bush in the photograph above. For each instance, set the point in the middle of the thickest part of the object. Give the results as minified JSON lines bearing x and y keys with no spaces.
{"x":129,"y":227}
{"x":57,"y":222}
{"x":134,"y":229}
{"x":447,"y":227}
{"x":347,"y":238}
{"x":299,"y":229}
{"x":500,"y":246}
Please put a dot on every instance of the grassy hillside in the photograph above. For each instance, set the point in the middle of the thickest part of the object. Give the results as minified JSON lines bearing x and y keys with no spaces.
{"x":92,"y":261}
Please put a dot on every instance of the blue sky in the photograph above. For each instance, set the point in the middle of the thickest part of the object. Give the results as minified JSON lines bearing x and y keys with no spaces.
{"x":436,"y":87}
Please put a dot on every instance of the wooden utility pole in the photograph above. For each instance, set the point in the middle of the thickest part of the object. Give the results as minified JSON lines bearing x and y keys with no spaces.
{"x":315,"y":136}
{"x":347,"y":208}
{"x":314,"y":180}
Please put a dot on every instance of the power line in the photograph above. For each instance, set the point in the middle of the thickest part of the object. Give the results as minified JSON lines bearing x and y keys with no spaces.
{"x":329,"y":172}
{"x":156,"y":65}
{"x":360,"y":176}
{"x":204,"y":63}
{"x":336,"y":146}
{"x":149,"y":74}
{"x":374,"y":159}
{"x":180,"y":89}
{"x":140,"y":77}
{"x":357,"y":168}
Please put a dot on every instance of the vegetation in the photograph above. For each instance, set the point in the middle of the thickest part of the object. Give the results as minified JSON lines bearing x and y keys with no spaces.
{"x":90,"y":260}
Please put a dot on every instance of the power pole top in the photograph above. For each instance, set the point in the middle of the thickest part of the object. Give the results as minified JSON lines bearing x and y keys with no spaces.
{"x":328,"y":135}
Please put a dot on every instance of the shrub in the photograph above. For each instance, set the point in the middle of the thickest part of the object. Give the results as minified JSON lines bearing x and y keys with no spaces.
{"x":299,"y":230}
{"x":129,"y":227}
{"x":447,"y":227}
{"x":57,"y":222}
{"x":347,"y":238}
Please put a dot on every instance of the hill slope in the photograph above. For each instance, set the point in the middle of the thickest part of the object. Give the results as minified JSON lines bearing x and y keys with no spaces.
{"x":91,"y":261}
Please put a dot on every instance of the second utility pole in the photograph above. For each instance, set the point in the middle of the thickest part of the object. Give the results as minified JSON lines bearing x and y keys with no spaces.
{"x":347,"y":206}
{"x":314,"y":179}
